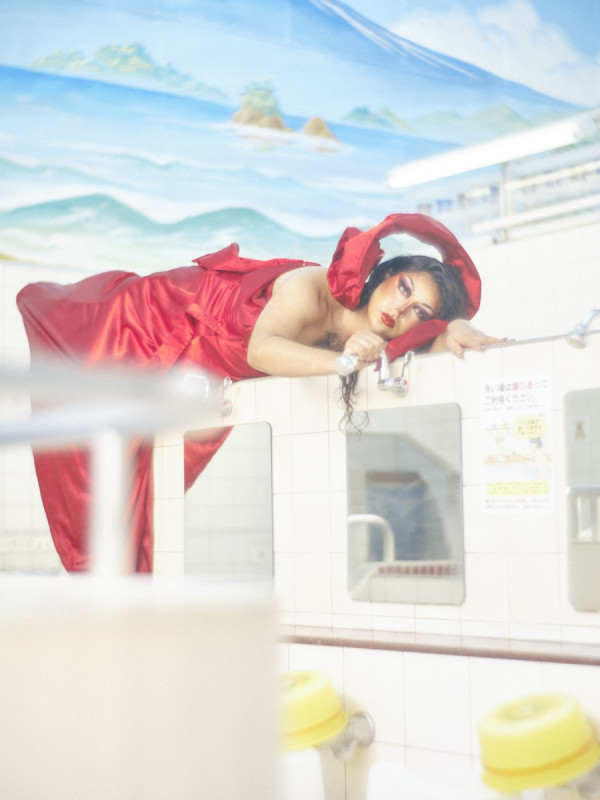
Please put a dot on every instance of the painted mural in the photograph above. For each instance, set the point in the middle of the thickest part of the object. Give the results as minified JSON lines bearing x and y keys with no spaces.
{"x":143,"y":134}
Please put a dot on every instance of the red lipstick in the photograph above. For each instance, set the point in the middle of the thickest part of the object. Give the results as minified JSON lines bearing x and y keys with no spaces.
{"x":388,"y":320}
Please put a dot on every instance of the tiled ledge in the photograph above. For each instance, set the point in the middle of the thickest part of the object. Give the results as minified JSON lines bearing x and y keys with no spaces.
{"x":480,"y":647}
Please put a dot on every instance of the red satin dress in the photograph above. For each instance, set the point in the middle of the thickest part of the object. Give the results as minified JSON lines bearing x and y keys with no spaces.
{"x":202,"y":316}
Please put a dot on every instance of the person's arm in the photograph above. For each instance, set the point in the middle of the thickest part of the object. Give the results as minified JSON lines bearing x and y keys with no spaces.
{"x":298,"y":315}
{"x":461,"y":335}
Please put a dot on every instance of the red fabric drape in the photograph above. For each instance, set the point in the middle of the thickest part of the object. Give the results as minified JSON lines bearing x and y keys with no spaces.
{"x":199,"y":316}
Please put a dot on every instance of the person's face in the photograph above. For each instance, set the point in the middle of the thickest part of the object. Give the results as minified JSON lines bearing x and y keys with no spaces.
{"x":402,"y":301}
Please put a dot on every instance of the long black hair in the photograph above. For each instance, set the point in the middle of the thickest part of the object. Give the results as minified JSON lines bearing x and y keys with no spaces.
{"x":453,"y":301}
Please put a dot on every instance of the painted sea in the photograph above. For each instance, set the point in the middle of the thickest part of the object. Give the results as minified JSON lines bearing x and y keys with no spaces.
{"x":138,"y":176}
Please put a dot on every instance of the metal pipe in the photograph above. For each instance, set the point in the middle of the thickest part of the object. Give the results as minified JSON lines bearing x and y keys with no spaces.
{"x":105,"y":411}
{"x":109,"y":542}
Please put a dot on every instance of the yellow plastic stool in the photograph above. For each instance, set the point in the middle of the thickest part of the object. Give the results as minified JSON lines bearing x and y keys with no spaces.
{"x":312,"y":711}
{"x":536,"y":741}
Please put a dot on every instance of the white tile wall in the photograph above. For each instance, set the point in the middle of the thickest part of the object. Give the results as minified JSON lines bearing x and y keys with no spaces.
{"x":425,"y":706}
{"x":310,"y":462}
{"x":539,"y":286}
{"x":515,"y":564}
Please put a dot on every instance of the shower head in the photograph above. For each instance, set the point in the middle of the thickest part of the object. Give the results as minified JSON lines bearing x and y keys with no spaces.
{"x":576,"y":337}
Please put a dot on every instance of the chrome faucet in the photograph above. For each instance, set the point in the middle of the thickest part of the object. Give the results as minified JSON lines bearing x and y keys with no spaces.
{"x":398,"y":385}
{"x":345,"y":364}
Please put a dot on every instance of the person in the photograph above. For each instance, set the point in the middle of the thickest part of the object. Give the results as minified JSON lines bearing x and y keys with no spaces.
{"x":304,"y":328}
{"x":242,"y":318}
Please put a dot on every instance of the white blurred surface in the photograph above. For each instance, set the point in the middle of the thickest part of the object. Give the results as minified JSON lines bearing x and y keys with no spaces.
{"x":133,"y":689}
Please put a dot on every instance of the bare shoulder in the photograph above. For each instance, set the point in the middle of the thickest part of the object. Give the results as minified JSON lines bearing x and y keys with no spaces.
{"x":305,"y":279}
{"x":299,"y":305}
{"x":305,"y":289}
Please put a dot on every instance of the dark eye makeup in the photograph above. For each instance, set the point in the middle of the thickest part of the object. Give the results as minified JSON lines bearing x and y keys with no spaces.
{"x":423,"y":314}
{"x":406,"y":288}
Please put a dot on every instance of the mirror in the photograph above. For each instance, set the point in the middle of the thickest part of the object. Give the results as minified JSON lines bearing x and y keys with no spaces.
{"x":229,"y":508}
{"x":582,"y":431}
{"x":405,"y":521}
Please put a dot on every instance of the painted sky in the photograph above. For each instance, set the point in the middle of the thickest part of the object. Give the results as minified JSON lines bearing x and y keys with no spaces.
{"x":549,"y":45}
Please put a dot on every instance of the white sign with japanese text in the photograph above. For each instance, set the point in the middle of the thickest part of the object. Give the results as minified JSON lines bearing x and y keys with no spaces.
{"x":517,"y":459}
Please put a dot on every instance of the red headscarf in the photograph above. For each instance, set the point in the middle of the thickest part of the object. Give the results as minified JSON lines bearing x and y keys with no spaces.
{"x":358,"y":252}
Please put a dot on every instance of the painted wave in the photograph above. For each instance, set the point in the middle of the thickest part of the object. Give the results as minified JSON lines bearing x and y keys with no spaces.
{"x":163,"y":164}
{"x":96,"y":232}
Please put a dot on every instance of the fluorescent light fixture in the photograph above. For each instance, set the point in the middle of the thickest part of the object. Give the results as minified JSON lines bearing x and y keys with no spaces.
{"x":496,"y":151}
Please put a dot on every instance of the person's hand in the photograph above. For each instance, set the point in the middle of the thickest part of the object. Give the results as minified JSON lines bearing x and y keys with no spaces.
{"x":461,"y":335}
{"x":366,"y":346}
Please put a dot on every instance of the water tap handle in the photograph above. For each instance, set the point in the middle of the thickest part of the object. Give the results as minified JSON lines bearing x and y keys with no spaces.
{"x":398,"y":385}
{"x":346,"y":364}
